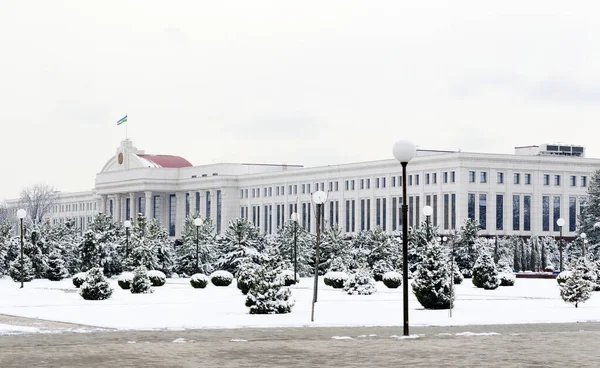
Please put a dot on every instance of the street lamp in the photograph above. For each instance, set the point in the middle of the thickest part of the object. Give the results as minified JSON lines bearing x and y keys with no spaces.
{"x":319,"y":197}
{"x":404,"y":151}
{"x":294,"y":217}
{"x":127,"y":225}
{"x":583,"y":237}
{"x":442,"y":240}
{"x":198,"y":222}
{"x":561,"y":222}
{"x":428,"y":211}
{"x":21,"y":215}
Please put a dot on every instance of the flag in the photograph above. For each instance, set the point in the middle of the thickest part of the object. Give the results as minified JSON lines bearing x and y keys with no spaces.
{"x":123,"y":120}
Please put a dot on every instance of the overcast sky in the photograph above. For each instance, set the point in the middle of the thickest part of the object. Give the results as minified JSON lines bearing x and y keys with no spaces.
{"x":306,"y":82}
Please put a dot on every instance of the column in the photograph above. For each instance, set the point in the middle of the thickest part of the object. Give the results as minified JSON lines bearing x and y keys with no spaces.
{"x":118,"y":206}
{"x":179,"y":213}
{"x":132,"y":206}
{"x":103,"y":205}
{"x":149,"y":205}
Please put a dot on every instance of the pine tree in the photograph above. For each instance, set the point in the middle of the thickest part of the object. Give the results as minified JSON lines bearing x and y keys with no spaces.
{"x":590,"y":273}
{"x":95,"y":286}
{"x":485,"y":274}
{"x":576,"y":289}
{"x":334,"y":246}
{"x":304,"y":242}
{"x":385,"y":250}
{"x":590,"y":215}
{"x":56,"y":267}
{"x":465,"y":247}
{"x":432,"y":282}
{"x":142,"y":251}
{"x":141,"y":282}
{"x":159,"y":238}
{"x":533,"y":256}
{"x":241,"y":241}
{"x":5,"y":236}
{"x":102,"y":245}
{"x":185,"y":253}
{"x":15,"y":269}
{"x":268,"y":294}
{"x":417,"y":243}
{"x":514,"y":240}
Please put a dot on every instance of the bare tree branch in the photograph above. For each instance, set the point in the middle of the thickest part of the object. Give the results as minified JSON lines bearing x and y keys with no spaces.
{"x":38,"y":200}
{"x":4,"y":212}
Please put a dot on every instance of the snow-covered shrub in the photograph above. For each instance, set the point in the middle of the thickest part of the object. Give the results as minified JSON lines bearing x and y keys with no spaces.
{"x":576,"y":289}
{"x":288,"y":277}
{"x":392,"y":279}
{"x":380,"y":268}
{"x":458,"y":277}
{"x":360,"y":283}
{"x":245,"y":275}
{"x":221,"y":278}
{"x":589,"y":271}
{"x":268,"y":294}
{"x":507,"y":279}
{"x":432,"y":283}
{"x":141,"y":282}
{"x":466,"y":273}
{"x":79,"y":279}
{"x":125,"y":280}
{"x":335,"y":279}
{"x":56,"y":267}
{"x":199,"y":281}
{"x":157,"y":278}
{"x":95,"y":286}
{"x":15,"y":269}
{"x":563,"y":276}
{"x":485,"y":274}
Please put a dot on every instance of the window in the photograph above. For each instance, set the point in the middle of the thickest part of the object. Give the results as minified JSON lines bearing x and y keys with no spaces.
{"x":545,"y":213}
{"x":172,"y":211}
{"x":308,"y":188}
{"x":270,"y":191}
{"x":331,"y":186}
{"x":499,"y":212}
{"x":410,"y":211}
{"x":471,"y":176}
{"x":435,"y":210}
{"x":546,"y":179}
{"x":303,"y":188}
{"x":383,"y":183}
{"x":483,"y":177}
{"x":394,"y":209}
{"x":376,"y":182}
{"x":445,"y":177}
{"x":500,"y":178}
{"x":207,"y":204}
{"x":434,"y":178}
{"x":362,"y":184}
{"x":352,"y":184}
{"x":471,"y":206}
{"x":156,"y":212}
{"x":527,"y":179}
{"x":427,"y":179}
{"x":527,"y":213}
{"x":410,"y":181}
{"x":336,"y":186}
{"x":516,"y":212}
{"x":517,"y":178}
{"x":584,"y":181}
{"x":368,"y":183}
{"x":453,"y":209}
{"x":219,"y":209}
{"x":242,"y":193}
{"x":453,"y":176}
{"x":417,"y":179}
{"x":556,"y":209}
{"x":557,"y":180}
{"x":572,"y":213}
{"x":482,"y":211}
{"x":573,"y":181}
{"x":446,"y":209}
{"x":393,"y":181}
{"x":346,"y":185}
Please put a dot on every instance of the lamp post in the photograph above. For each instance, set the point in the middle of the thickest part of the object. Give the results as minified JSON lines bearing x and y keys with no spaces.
{"x":319,"y":197}
{"x":442,"y":240}
{"x":428,"y":211}
{"x":560,"y":222}
{"x":404,"y":151}
{"x":198,"y":222}
{"x":127,"y":225}
{"x":584,"y":242}
{"x":294,"y":218}
{"x":21,"y":215}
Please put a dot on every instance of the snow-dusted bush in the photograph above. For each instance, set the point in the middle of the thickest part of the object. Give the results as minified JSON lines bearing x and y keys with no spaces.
{"x":507,"y":279}
{"x":125,"y":280}
{"x":141,"y":282}
{"x":95,"y":286}
{"x":199,"y":281}
{"x":221,"y":278}
{"x":157,"y":278}
{"x":466,"y":273}
{"x":56,"y":267}
{"x":458,"y":277}
{"x":576,"y":289}
{"x":245,"y":275}
{"x":432,"y":283}
{"x":335,"y":279}
{"x":563,"y":276}
{"x":268,"y":294}
{"x":485,"y":274}
{"x":589,"y":271}
{"x":15,"y":269}
{"x":288,"y":277}
{"x":380,"y":268}
{"x":79,"y":279}
{"x":360,"y":283}
{"x":392,"y":279}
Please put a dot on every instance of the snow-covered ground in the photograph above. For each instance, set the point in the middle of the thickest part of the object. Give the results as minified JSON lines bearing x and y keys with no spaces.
{"x":177,"y":305}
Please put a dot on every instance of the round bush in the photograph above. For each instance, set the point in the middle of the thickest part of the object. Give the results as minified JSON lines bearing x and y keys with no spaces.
{"x":392,"y":279}
{"x":507,"y":279}
{"x":466,"y":273}
{"x":221,"y":278}
{"x":157,"y":278}
{"x":125,"y":280}
{"x":95,"y":287}
{"x":563,"y":276}
{"x":288,"y":277}
{"x":79,"y":279}
{"x":199,"y":281}
{"x":360,"y":283}
{"x":335,"y":279}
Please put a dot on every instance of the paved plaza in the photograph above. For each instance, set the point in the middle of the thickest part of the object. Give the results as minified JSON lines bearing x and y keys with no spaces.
{"x":526,"y":345}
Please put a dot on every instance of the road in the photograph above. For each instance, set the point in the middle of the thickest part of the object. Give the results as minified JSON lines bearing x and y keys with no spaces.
{"x":533,"y":345}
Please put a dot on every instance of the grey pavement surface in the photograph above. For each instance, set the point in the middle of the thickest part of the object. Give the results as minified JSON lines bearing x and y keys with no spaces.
{"x":528,"y":345}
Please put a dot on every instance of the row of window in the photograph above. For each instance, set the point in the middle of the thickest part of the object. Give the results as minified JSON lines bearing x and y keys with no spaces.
{"x":74,"y":207}
{"x":527,"y":179}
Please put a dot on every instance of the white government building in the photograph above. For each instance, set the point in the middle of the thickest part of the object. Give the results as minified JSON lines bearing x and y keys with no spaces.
{"x":522,"y":193}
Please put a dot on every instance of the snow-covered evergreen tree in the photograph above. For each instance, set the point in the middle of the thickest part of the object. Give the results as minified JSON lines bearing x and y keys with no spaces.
{"x":165,"y":254}
{"x":284,"y":240}
{"x":103,"y":245}
{"x":360,"y":282}
{"x":5,"y":237}
{"x":432,"y":283}
{"x":15,"y":269}
{"x":335,"y":246}
{"x":591,"y":215}
{"x":142,"y":251}
{"x":56,"y":267}
{"x":268,"y":294}
{"x":466,"y":251}
{"x":590,"y":273}
{"x":64,"y":239}
{"x":95,"y":286}
{"x":141,"y":282}
{"x":576,"y":289}
{"x":417,"y":244}
{"x":241,"y":241}
{"x":385,"y":251}
{"x":485,"y":273}
{"x":185,"y":253}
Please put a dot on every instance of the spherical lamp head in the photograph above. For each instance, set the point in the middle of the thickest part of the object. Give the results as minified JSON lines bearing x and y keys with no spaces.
{"x":427,"y":210}
{"x":198,"y":221}
{"x":560,"y":222}
{"x":445,"y":238}
{"x":583,"y":235}
{"x":127,"y":224}
{"x":404,"y":150}
{"x":319,"y":197}
{"x":21,"y":213}
{"x":294,"y":217}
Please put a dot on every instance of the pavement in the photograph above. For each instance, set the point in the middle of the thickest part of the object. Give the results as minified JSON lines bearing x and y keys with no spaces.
{"x":525,"y":345}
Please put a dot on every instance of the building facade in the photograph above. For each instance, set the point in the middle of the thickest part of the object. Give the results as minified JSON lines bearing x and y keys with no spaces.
{"x":523,"y":194}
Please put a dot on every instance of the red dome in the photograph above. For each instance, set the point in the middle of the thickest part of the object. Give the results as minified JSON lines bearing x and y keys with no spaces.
{"x":167,"y":161}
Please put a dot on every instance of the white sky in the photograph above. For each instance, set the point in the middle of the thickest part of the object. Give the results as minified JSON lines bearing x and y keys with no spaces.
{"x":308,"y":82}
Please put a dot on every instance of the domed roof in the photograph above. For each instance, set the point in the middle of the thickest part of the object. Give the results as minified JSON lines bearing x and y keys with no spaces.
{"x":164,"y":161}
